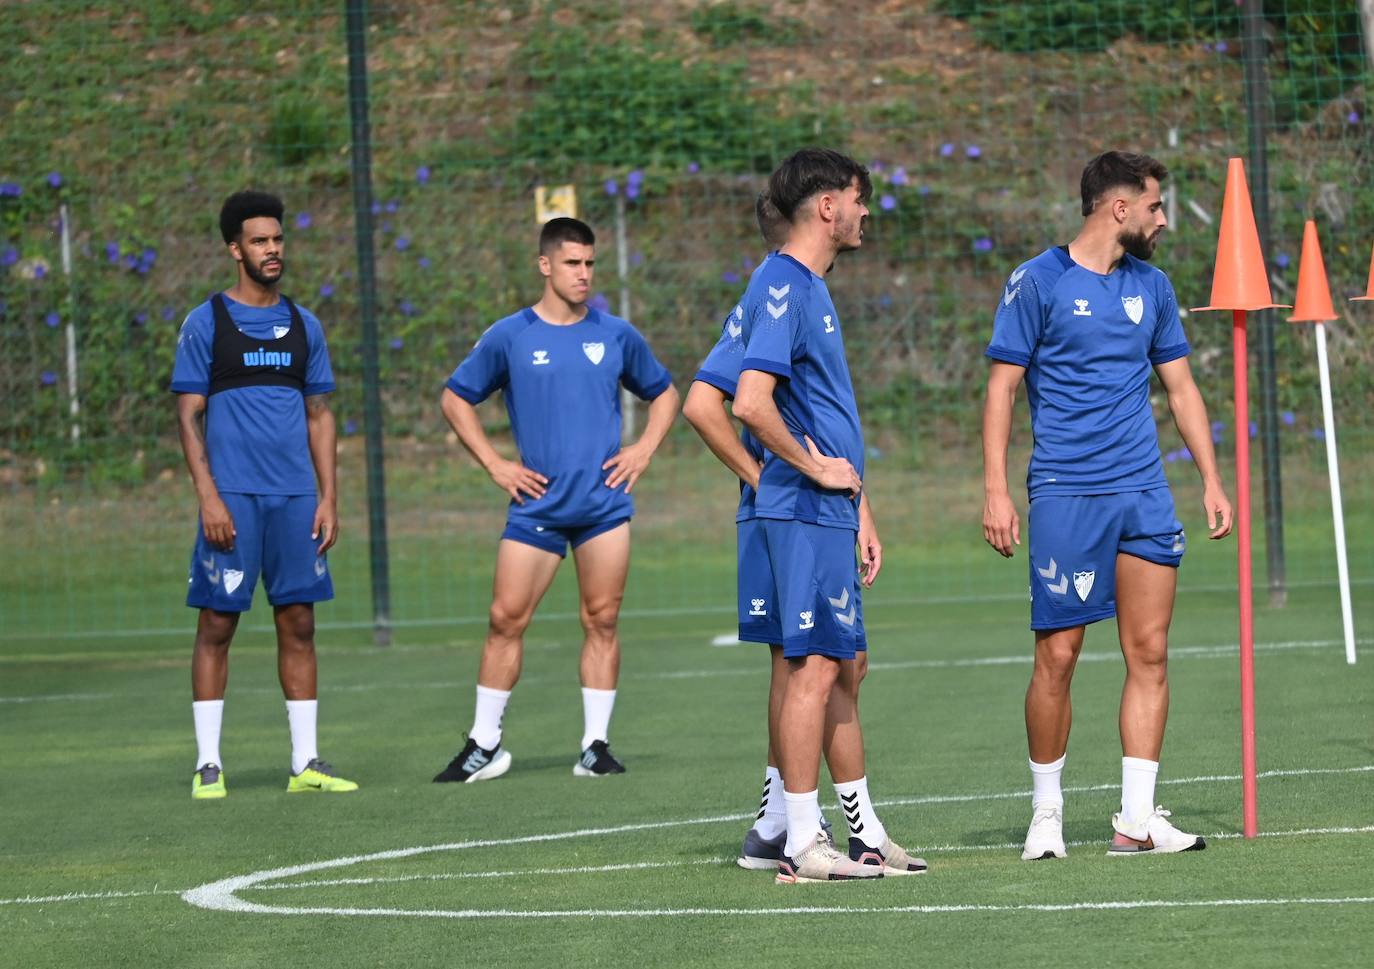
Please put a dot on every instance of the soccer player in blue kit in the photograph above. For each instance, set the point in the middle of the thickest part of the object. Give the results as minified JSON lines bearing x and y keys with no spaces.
{"x":1083,"y":325}
{"x":252,"y":380}
{"x":560,"y":365}
{"x":705,"y":409}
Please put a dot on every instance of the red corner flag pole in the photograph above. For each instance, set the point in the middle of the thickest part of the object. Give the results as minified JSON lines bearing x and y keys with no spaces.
{"x":1240,"y":284}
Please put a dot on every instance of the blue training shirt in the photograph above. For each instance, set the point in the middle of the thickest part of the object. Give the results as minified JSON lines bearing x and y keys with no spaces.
{"x":255,"y":436}
{"x":1088,"y":343}
{"x":791,"y":329}
{"x":562,"y":390}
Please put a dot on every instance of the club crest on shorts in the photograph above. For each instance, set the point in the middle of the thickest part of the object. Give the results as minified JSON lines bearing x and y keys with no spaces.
{"x":807,"y":620}
{"x":1083,"y":583}
{"x":232,"y":579}
{"x":594,"y":351}
{"x":1134,"y":307}
{"x":758,"y":607}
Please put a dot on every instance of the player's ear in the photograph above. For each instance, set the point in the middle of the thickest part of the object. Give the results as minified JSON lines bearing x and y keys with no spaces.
{"x":545,"y":267}
{"x":235,"y":251}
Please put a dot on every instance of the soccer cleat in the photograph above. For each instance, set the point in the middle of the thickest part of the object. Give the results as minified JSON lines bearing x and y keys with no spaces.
{"x":208,"y":783}
{"x":760,"y":853}
{"x":820,"y":862}
{"x":1045,"y":837}
{"x":318,"y":777}
{"x":1153,"y":836}
{"x":892,"y":856}
{"x":475,"y":763}
{"x":597,"y":761}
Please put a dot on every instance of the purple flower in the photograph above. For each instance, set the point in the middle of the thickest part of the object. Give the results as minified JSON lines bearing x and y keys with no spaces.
{"x":326,"y":290}
{"x":112,"y":251}
{"x":423,"y":262}
{"x":1217,"y":428}
{"x":875,"y":166}
{"x":600,"y":303}
{"x":9,"y":256}
{"x":1288,"y":418}
{"x":402,"y":243}
{"x":303,"y":220}
{"x":168,"y":313}
{"x":611,"y":186}
{"x":397,"y":343}
{"x":10,"y":190}
{"x":422,"y":174}
{"x":1318,"y":434}
{"x":386,"y":227}
{"x":729,"y":277}
{"x":693,"y":168}
{"x":40,"y":271}
{"x":982,"y":244}
{"x":130,"y":261}
{"x":1282,"y":260}
{"x":885,"y":301}
{"x":53,"y":319}
{"x":407,"y":308}
{"x":47,"y":378}
{"x":898,"y":176}
{"x":632,"y":190}
{"x":55,"y":179}
{"x":887,"y":203}
{"x":1220,"y":47}
{"x":140,"y":319}
{"x":1171,"y":457}
{"x":635,"y":177}
{"x":636,"y":258}
{"x":924,"y":190}
{"x":973,"y":151}
{"x":1184,"y":454}
{"x":1353,"y":117}
{"x":947,"y":150}
{"x":393,"y":206}
{"x":376,"y":208}
{"x":1254,"y":430}
{"x":350,"y":426}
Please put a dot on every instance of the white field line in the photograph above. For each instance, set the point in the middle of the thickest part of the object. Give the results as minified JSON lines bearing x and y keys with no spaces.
{"x":84,"y":896}
{"x":520,"y":873}
{"x":1025,"y":658}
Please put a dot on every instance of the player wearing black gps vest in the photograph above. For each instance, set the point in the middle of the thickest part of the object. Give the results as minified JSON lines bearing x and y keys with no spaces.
{"x":252,"y":377}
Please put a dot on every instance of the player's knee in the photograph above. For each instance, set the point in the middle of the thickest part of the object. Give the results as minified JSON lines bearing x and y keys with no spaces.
{"x":507,"y":624}
{"x":1056,"y":659}
{"x":1148,"y":658}
{"x":600,"y":617}
{"x":216,"y":630}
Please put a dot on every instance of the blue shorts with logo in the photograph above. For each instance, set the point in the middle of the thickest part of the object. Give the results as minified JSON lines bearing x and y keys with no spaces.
{"x":1074,"y":542}
{"x":759,"y":620}
{"x":556,"y":538}
{"x":815,"y":584}
{"x":272,"y":540}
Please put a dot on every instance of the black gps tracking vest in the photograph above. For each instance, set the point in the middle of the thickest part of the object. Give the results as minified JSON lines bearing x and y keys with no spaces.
{"x":238,"y":360}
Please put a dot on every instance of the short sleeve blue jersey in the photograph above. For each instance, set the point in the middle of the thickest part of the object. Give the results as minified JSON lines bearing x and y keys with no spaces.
{"x":1088,"y":343}
{"x":791,"y":330}
{"x":255,"y":435}
{"x":562,"y":391}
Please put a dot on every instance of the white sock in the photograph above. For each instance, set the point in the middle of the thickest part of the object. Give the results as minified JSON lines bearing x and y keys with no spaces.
{"x":858,"y":811}
{"x":486,"y":719}
{"x":209,"y":716}
{"x":1138,"y":788}
{"x":300,"y":714}
{"x":1047,"y":783}
{"x":772,"y":818}
{"x":596,"y":715}
{"x":803,"y":820}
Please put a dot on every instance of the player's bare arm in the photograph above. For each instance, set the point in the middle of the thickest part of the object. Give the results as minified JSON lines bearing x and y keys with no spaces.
{"x":323,"y":436}
{"x":512,"y":477}
{"x":214,"y":516}
{"x":870,"y":549}
{"x":633,"y":460}
{"x":705,"y":409}
{"x":1001,"y":524}
{"x":754,"y":405}
{"x":1190,"y":417}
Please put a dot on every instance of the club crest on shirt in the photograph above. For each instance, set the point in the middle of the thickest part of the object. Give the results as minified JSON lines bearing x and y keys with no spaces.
{"x":1083,"y":583}
{"x":594,"y":351}
{"x":280,"y":331}
{"x":1134,"y":307}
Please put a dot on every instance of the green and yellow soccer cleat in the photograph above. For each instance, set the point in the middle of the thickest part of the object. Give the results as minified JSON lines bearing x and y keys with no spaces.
{"x":318,"y":777}
{"x":208,"y":782}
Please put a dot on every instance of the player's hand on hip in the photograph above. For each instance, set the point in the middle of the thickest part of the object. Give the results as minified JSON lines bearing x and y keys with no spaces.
{"x":516,"y":480}
{"x":1220,"y":515}
{"x":836,"y":474}
{"x":326,"y":526}
{"x":217,"y":523}
{"x":626,"y":467}
{"x":1001,"y":524}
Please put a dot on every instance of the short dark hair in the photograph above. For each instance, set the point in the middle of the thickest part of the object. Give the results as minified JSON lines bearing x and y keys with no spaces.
{"x":1113,"y":169}
{"x":813,"y":170}
{"x":563,"y":229}
{"x":773,"y":224}
{"x":242,"y":206}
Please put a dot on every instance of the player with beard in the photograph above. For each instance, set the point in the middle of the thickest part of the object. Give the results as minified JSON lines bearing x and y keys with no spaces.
{"x":1083,"y":325}
{"x":252,"y":379}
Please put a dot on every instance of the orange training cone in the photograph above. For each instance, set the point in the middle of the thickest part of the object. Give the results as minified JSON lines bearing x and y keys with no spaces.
{"x":1369,"y":290}
{"x":1239,"y":281}
{"x":1314,"y":294}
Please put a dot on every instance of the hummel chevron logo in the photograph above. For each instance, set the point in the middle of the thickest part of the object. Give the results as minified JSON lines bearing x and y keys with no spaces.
{"x":1048,"y":575}
{"x":777,"y":311}
{"x":779,"y":293}
{"x":839,"y":604}
{"x":842,"y":601}
{"x":1011,"y":292}
{"x":320,"y":567}
{"x":734,"y":329}
{"x":849,"y":803}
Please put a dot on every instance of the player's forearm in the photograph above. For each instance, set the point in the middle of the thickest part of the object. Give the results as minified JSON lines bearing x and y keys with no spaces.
{"x":866,"y":513}
{"x":191,"y":430}
{"x":662,"y":410}
{"x":997,"y":410}
{"x":1190,"y":417}
{"x":759,"y":413}
{"x":322,"y":432}
{"x":462,"y":417}
{"x":705,"y":411}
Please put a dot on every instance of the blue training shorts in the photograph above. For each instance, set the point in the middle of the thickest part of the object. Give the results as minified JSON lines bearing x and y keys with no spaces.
{"x":816,"y":582}
{"x":759,"y":620}
{"x":556,"y":538}
{"x":1074,"y":542}
{"x":272,"y":539}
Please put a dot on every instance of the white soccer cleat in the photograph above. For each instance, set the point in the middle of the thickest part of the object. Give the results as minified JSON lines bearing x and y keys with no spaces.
{"x":1045,"y":837}
{"x":1153,"y":836}
{"x":821,"y":862}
